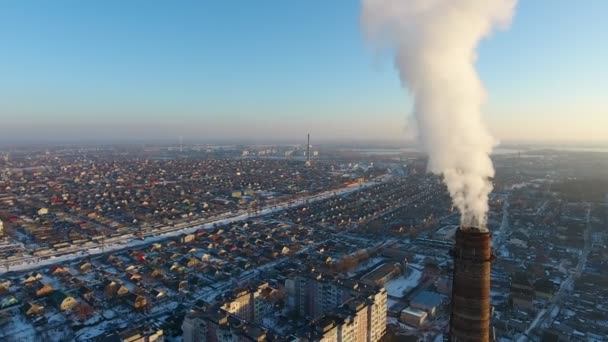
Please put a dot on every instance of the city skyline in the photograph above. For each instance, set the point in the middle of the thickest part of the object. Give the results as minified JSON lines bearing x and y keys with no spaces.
{"x":233,"y":70}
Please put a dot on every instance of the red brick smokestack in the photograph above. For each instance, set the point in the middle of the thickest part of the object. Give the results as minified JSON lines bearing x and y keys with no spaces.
{"x":470,"y":317}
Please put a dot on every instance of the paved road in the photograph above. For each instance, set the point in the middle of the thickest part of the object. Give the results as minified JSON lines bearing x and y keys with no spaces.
{"x":544,"y":316}
{"x":499,"y":236}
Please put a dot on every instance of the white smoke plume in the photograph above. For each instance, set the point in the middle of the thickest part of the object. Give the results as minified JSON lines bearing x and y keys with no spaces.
{"x":435,"y":45}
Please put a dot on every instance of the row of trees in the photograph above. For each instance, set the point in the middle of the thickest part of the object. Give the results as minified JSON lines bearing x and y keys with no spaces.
{"x":350,"y":261}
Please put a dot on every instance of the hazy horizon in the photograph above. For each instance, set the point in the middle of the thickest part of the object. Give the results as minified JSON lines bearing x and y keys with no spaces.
{"x":300,"y":139}
{"x":118,"y":71}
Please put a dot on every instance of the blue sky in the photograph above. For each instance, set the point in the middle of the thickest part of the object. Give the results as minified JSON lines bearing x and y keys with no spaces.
{"x":276,"y":68}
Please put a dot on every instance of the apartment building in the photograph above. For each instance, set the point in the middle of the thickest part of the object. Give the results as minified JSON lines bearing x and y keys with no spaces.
{"x":249,"y":303}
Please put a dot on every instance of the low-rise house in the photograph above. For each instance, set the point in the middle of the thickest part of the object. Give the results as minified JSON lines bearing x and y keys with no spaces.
{"x":188,"y":238}
{"x":58,"y":270}
{"x":190,"y":262}
{"x":63,"y":301}
{"x":86,"y":293}
{"x":30,"y":278}
{"x":177,"y":268}
{"x":42,"y":290}
{"x":5,"y":286}
{"x":134,"y":277}
{"x":113,"y":288}
{"x":8,"y":301}
{"x":182,"y":286}
{"x":74,"y":282}
{"x":139,"y":256}
{"x":131,"y":268}
{"x":32,"y":309}
{"x":122,"y":290}
{"x":138,"y":302}
{"x":158,"y":293}
{"x":84,"y":267}
{"x":157,"y":273}
{"x":114,"y":260}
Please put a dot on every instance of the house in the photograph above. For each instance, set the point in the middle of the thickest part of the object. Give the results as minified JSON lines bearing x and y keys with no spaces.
{"x":158,"y":293}
{"x":32,"y":309}
{"x":113,"y":288}
{"x":30,"y":278}
{"x":74,"y":282}
{"x":138,"y":302}
{"x":4,"y":286}
{"x":8,"y":301}
{"x":114,"y":260}
{"x":42,"y":290}
{"x":188,"y":238}
{"x":192,"y":262}
{"x":182,"y":285}
{"x":177,"y":268}
{"x":85,"y":292}
{"x":58,"y":270}
{"x":157,"y":273}
{"x":63,"y":301}
{"x":134,"y":277}
{"x":122,"y":290}
{"x":156,"y":246}
{"x":84,"y":267}
{"x":131,"y":268}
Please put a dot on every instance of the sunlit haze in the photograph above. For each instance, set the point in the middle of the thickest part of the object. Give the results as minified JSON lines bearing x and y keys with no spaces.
{"x":274,"y":70}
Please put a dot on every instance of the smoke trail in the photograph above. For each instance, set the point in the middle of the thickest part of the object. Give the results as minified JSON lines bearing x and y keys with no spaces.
{"x":435,"y":43}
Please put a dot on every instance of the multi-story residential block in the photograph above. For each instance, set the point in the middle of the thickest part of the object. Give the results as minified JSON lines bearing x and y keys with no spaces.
{"x":248,"y":304}
{"x":377,"y":315}
{"x":361,"y":318}
{"x":220,"y":326}
{"x":312,"y":296}
{"x":240,"y":305}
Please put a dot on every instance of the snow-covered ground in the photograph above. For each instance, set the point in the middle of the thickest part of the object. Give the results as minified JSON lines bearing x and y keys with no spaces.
{"x":390,"y":303}
{"x":17,"y":328}
{"x":364,"y":265}
{"x":399,"y":286}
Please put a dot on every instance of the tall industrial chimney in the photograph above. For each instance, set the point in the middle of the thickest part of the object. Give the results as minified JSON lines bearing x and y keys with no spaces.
{"x":470,"y":317}
{"x":308,"y":150}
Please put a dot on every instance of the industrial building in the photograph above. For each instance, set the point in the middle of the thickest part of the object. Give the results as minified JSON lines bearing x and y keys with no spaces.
{"x":427,"y":301}
{"x":413,"y":316}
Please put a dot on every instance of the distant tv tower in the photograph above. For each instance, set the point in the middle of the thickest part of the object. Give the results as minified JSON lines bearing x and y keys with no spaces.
{"x":181,"y":144}
{"x":308,"y":150}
